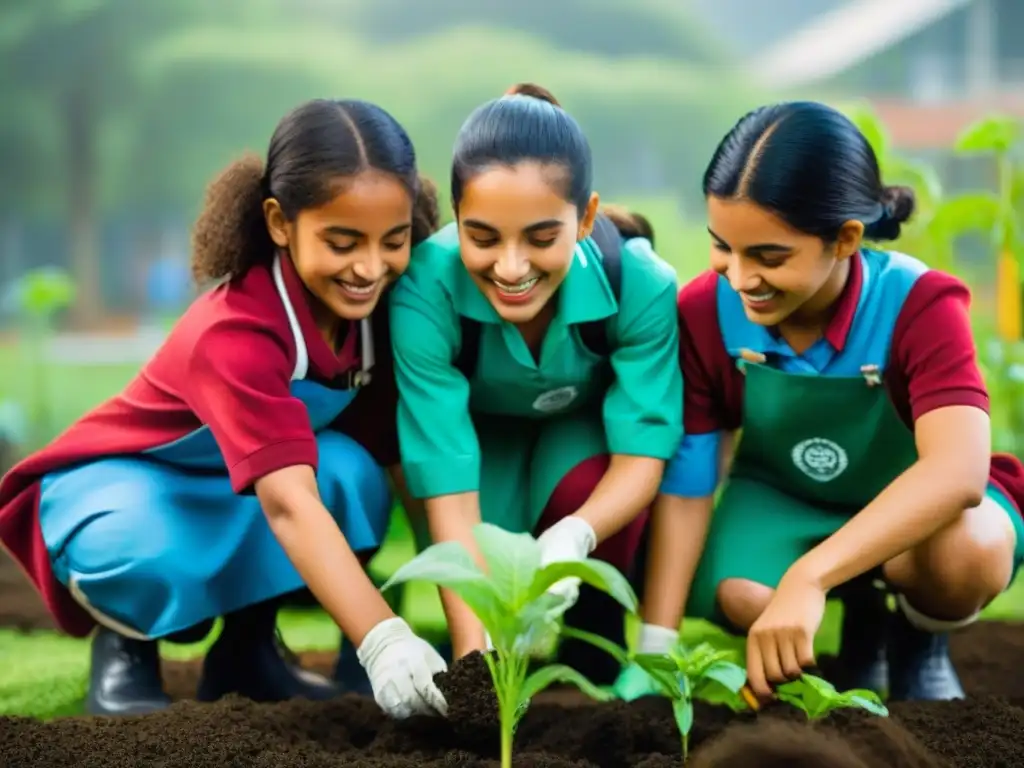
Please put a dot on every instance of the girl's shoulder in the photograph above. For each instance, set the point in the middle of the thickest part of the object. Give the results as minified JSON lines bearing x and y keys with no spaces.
{"x":645,"y":275}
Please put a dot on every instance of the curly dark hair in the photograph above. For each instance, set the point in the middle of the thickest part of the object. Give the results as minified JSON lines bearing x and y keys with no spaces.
{"x":313,"y":147}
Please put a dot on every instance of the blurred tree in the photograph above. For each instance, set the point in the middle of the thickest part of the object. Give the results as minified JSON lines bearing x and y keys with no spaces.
{"x":72,"y":70}
{"x":663,"y":29}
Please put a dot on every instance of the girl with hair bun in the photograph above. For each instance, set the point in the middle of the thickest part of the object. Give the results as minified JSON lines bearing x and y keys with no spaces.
{"x":248,"y":458}
{"x":864,"y":451}
{"x":536,"y":349}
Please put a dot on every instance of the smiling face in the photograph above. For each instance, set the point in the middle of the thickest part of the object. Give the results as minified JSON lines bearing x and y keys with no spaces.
{"x":780,"y":273}
{"x":349,"y":249}
{"x":518,"y":236}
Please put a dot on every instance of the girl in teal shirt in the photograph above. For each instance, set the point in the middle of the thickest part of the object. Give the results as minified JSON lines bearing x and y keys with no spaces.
{"x":536,"y":349}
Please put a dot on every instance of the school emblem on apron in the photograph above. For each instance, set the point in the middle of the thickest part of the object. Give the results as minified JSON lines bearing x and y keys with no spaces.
{"x":555,"y":400}
{"x":820,"y":459}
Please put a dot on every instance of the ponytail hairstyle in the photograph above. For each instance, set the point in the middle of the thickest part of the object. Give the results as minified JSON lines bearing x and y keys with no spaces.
{"x":314,"y":149}
{"x":628,"y":223}
{"x":526,"y":124}
{"x":811,"y":166}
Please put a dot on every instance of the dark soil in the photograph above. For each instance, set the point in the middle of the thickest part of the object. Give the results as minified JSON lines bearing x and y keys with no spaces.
{"x":559,"y":731}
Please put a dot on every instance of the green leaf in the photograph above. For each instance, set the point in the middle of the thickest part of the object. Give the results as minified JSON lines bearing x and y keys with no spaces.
{"x":817,"y":684}
{"x":45,"y":291}
{"x":682,"y":710}
{"x":968,"y":212}
{"x":922,"y":177}
{"x":619,"y":654}
{"x":715,"y":693}
{"x":871,"y":125}
{"x":596,"y":573}
{"x":662,"y":671}
{"x":650,"y":661}
{"x":534,"y":630}
{"x":727,"y":674}
{"x":513,"y":560}
{"x":560,"y":673}
{"x":995,"y":133}
{"x":448,"y":564}
{"x":866,"y":700}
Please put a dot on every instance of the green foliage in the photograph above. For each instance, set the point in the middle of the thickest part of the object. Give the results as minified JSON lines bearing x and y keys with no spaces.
{"x":42,"y":293}
{"x":513,"y":604}
{"x":703,"y":672}
{"x":817,"y":697}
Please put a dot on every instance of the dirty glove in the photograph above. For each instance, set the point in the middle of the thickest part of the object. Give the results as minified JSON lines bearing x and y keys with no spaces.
{"x":401,"y":668}
{"x":570,"y":539}
{"x":634,"y":682}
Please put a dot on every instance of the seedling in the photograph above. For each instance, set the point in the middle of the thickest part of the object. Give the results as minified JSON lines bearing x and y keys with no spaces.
{"x":683,"y":675}
{"x":817,"y":697}
{"x":512,"y":603}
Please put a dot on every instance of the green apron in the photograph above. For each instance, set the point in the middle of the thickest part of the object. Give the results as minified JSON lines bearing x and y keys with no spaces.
{"x":814,"y":451}
{"x":523,"y":460}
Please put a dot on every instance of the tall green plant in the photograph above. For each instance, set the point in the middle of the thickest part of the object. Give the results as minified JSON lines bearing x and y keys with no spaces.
{"x":997,"y":214}
{"x":512,"y":601}
{"x":39,"y":296}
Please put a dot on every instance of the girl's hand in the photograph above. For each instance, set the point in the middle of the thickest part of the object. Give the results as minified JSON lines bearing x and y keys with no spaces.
{"x":780,"y":644}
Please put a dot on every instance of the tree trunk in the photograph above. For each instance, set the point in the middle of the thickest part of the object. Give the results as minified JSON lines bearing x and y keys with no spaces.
{"x":83,"y":228}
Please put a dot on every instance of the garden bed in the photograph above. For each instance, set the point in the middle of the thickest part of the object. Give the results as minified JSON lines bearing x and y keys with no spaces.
{"x":561,"y":729}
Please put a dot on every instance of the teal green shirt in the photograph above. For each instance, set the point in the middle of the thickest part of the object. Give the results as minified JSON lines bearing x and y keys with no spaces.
{"x":641,"y":402}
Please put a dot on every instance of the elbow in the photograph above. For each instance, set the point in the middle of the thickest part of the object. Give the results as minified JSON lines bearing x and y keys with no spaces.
{"x":964,"y":485}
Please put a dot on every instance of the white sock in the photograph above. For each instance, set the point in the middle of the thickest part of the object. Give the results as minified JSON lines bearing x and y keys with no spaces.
{"x":929,"y":624}
{"x":655,"y":639}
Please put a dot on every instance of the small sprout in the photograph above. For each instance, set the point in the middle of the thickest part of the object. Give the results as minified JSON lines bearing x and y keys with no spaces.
{"x":513,"y":603}
{"x":817,"y":697}
{"x":703,"y":673}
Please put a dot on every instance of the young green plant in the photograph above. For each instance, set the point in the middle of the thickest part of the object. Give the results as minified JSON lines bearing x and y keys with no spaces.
{"x":685,"y":674}
{"x":816,"y":697}
{"x":512,"y":601}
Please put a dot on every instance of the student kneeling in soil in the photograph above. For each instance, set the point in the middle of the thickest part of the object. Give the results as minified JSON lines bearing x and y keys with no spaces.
{"x":536,"y":356}
{"x":865,"y":437}
{"x":230,"y":471}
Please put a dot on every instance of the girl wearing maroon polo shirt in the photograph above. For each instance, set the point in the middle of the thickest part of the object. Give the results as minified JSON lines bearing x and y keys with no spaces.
{"x":245,"y":460}
{"x":864,"y":442}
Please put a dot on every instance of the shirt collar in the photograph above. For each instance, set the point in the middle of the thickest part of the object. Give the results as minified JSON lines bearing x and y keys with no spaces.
{"x":321,"y":357}
{"x":740,"y":333}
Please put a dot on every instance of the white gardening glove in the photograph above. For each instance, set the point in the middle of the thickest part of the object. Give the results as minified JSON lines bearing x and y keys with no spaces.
{"x":401,"y":668}
{"x":570,"y":539}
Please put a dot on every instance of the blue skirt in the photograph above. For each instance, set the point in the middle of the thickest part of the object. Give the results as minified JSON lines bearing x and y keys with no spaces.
{"x":150,"y":548}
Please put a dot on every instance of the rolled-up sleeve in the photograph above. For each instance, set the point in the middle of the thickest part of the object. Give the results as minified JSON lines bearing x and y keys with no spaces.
{"x":438,"y":443}
{"x":643,"y":409}
{"x":693,"y":471}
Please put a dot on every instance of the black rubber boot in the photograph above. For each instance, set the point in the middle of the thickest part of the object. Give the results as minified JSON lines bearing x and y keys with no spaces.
{"x":125,"y":676}
{"x":599,"y":614}
{"x":250,"y":659}
{"x":920,"y":668}
{"x":862,"y":661}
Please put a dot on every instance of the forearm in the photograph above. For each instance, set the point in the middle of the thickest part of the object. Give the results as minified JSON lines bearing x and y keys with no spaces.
{"x":679,"y":528}
{"x":321,"y":555}
{"x":627,"y":488}
{"x":451,"y":518}
{"x":924,"y":499}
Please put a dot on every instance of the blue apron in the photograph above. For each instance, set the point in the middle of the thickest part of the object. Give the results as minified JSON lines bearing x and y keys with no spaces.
{"x":155,"y":543}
